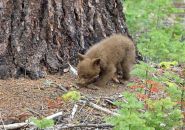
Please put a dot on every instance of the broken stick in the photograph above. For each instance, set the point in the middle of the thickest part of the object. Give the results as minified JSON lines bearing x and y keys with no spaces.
{"x":59,"y":127}
{"x":23,"y":124}
{"x":99,"y":108}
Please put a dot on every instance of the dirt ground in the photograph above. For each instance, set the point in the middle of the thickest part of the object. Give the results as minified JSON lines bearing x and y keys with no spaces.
{"x":23,"y":98}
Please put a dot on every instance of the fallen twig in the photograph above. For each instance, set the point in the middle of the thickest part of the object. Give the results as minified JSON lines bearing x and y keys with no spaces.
{"x":2,"y":121}
{"x":60,"y":87}
{"x":23,"y":124}
{"x":109,"y":101}
{"x":72,"y":70}
{"x":13,"y":126}
{"x":59,"y":127}
{"x":90,"y":111}
{"x":99,"y":107}
{"x":54,"y":115}
{"x":74,"y":111}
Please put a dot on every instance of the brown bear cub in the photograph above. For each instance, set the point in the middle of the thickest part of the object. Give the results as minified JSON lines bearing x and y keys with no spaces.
{"x":104,"y":59}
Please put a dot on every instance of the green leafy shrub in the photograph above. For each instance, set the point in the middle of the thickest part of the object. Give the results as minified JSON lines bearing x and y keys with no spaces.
{"x":156,"y":40}
{"x":162,"y":114}
{"x":143,"y":71}
{"x":131,"y":118}
{"x":147,"y":109}
{"x":71,"y":96}
{"x":42,"y":123}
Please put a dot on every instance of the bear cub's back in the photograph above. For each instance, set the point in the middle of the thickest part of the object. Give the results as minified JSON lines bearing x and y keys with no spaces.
{"x":111,"y":49}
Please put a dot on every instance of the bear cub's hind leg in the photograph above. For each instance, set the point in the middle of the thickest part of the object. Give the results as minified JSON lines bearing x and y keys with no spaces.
{"x":126,"y":67}
{"x":106,"y":75}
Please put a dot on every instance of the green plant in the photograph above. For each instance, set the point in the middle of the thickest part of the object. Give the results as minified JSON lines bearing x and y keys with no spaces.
{"x":167,"y":65}
{"x":143,"y":71}
{"x":163,"y":114}
{"x":71,"y":96}
{"x":42,"y":123}
{"x":147,"y":109}
{"x":168,"y":80}
{"x":156,"y":40}
{"x":159,"y":115}
{"x":130,"y":118}
{"x":173,"y":91}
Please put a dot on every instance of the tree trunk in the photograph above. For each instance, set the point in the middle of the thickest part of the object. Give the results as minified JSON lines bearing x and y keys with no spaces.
{"x":39,"y":36}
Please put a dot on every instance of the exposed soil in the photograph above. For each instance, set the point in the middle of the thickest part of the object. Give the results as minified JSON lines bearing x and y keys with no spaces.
{"x":23,"y":98}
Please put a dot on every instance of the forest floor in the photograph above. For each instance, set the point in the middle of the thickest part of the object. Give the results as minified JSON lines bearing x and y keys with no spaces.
{"x":23,"y":98}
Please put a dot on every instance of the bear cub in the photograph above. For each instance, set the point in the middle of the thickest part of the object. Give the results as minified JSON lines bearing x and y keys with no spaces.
{"x":101,"y":62}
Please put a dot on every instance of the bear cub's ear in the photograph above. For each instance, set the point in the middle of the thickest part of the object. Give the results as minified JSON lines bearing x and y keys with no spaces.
{"x":81,"y":57}
{"x":96,"y":61}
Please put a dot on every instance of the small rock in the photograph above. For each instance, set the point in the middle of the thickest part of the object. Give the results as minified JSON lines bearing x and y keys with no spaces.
{"x":66,"y":70}
{"x":25,"y":89}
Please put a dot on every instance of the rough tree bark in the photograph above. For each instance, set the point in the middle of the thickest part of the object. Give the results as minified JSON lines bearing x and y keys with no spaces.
{"x":39,"y":36}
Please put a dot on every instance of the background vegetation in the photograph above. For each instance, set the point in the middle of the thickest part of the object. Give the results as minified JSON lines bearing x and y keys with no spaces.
{"x":157,"y":31}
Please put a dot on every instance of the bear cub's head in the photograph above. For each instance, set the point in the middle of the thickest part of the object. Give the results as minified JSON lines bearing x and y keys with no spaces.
{"x":88,"y":69}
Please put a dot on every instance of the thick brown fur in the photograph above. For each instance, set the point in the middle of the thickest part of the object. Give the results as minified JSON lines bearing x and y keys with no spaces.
{"x":103,"y":59}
